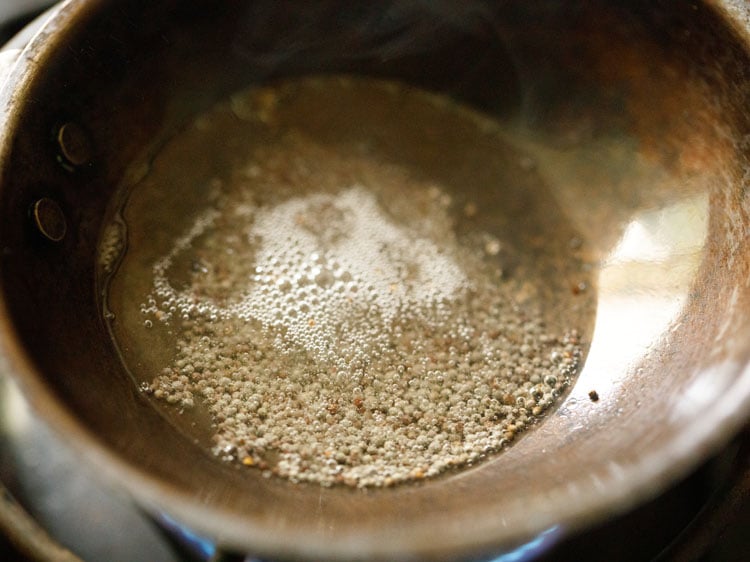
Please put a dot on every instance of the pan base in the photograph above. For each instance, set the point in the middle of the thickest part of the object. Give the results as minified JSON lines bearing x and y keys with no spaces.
{"x":342,"y":280}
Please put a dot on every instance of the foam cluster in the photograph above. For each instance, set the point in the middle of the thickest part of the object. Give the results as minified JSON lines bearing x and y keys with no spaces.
{"x":329,"y":272}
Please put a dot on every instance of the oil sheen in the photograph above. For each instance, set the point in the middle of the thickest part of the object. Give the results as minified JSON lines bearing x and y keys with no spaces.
{"x":342,"y":280}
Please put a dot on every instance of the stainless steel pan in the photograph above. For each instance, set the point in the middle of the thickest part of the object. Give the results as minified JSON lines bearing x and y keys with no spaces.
{"x":640,"y":110}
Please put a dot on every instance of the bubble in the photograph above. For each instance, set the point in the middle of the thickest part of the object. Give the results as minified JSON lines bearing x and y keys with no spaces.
{"x":349,"y":334}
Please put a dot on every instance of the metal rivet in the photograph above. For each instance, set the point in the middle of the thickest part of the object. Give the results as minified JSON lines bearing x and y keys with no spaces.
{"x":75,"y":144}
{"x":49,"y":219}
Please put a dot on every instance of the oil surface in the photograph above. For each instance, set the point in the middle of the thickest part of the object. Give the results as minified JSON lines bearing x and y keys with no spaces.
{"x":357,"y":235}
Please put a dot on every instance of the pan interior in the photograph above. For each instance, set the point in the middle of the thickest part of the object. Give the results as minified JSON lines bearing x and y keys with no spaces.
{"x":622,"y":131}
{"x":296,"y":172}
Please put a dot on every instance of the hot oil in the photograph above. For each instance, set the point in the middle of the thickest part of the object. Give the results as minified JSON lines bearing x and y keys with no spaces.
{"x":381,"y":263}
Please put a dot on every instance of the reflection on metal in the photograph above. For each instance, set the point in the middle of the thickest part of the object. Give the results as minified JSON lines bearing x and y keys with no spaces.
{"x":49,"y":219}
{"x":643,"y":286}
{"x":14,"y":412}
{"x":702,"y":392}
{"x":75,"y":145}
{"x":8,"y":58}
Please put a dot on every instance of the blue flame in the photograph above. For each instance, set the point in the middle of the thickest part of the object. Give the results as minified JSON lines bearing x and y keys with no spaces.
{"x":206,"y":549}
{"x":203,"y":547}
{"x":532,"y":549}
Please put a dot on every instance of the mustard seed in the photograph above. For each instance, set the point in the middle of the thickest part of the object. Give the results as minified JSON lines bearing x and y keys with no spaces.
{"x":335,"y":324}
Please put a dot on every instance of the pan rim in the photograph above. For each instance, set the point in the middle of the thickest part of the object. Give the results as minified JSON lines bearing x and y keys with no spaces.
{"x":637,"y":482}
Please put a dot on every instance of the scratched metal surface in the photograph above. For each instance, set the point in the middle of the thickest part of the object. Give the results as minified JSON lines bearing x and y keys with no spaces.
{"x":72,"y":486}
